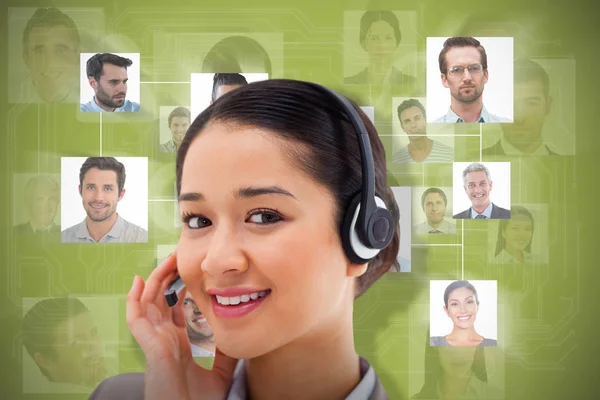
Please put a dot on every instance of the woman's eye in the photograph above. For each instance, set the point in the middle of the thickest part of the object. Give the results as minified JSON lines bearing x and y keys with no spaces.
{"x":196,"y":222}
{"x":264,"y":218}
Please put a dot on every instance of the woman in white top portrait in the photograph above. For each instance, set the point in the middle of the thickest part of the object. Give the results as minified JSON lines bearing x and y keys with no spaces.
{"x":515,"y":235}
{"x":264,"y":176}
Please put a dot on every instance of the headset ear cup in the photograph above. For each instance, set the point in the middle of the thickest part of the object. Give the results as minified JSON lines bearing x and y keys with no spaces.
{"x":357,"y":251}
{"x":347,"y":228}
{"x":381,"y":226}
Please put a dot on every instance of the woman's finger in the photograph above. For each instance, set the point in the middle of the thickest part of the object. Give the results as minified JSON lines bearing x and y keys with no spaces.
{"x":141,"y":329}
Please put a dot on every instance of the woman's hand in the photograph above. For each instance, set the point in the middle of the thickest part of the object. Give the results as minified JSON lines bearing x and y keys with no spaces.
{"x":171,"y":372}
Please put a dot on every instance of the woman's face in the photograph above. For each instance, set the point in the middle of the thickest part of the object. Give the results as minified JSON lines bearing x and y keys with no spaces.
{"x":518,"y":233}
{"x":258,"y":224}
{"x":462,"y":308}
{"x":380,"y":40}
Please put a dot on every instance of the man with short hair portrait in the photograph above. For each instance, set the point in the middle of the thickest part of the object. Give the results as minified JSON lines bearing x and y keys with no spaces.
{"x":199,"y":332}
{"x":101,"y":187}
{"x":107,"y":75}
{"x":42,"y":197}
{"x":179,"y":122}
{"x":464,"y":71}
{"x":420,"y":148}
{"x":62,"y":339}
{"x":51,"y":47}
{"x":434,"y":203}
{"x":224,"y":83}
{"x":533,"y":103}
{"x":478,"y":185}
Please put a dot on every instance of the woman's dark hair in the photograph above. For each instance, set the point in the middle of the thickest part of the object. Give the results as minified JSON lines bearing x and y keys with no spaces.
{"x":514,"y":211}
{"x":457,"y":285}
{"x":371,"y":17}
{"x":434,"y":371}
{"x":319,"y":139}
{"x":229,"y":54}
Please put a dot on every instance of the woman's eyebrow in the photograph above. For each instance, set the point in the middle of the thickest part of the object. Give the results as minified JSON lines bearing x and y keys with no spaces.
{"x":242,"y":193}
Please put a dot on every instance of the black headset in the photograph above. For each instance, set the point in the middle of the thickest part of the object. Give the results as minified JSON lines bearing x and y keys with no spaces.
{"x":368,"y":226}
{"x":365,"y":230}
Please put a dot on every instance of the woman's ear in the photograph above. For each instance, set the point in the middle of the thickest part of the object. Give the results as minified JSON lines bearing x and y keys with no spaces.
{"x":446,"y":311}
{"x":356,"y":270}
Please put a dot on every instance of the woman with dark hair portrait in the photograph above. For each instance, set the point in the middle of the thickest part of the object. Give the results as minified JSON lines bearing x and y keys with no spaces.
{"x":237,"y":54}
{"x":515,"y":235}
{"x":461,"y":305}
{"x":457,"y":373}
{"x":379,"y":37}
{"x":266,"y":180}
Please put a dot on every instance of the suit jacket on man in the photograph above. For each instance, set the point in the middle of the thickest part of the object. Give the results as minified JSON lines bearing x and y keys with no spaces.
{"x":497,"y":150}
{"x":497,"y":213}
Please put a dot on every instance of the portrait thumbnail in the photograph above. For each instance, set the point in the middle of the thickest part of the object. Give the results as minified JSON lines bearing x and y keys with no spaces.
{"x":174,"y":123}
{"x":110,"y":82}
{"x":36,"y":203}
{"x":544,"y":120}
{"x":199,"y":333}
{"x":522,"y":239}
{"x":432,"y":210}
{"x":481,"y":190}
{"x":402,"y":194}
{"x":206,"y":88}
{"x":43,"y":51}
{"x":463,"y":313}
{"x":470,"y":80}
{"x":380,"y":49}
{"x":104,"y":199}
{"x":70,"y":344}
{"x":416,"y":141}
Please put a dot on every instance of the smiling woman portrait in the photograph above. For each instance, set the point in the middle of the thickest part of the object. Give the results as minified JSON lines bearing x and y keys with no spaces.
{"x":515,"y":235}
{"x":265,"y":177}
{"x":461,"y":305}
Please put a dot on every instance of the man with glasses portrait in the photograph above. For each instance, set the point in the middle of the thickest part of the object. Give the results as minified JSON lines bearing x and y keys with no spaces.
{"x":464,"y":70}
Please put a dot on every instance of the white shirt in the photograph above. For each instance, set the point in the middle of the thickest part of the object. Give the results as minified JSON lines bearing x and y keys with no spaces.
{"x":439,"y":153}
{"x":511,"y":150}
{"x":198,"y":351}
{"x":484,"y":117}
{"x":445,"y":227}
{"x":504,"y":257}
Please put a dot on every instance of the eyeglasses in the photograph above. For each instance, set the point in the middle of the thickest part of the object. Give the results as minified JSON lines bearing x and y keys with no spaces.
{"x":459,"y":70}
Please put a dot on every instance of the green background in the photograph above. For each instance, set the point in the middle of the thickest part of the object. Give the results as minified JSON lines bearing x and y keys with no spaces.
{"x":551,"y":347}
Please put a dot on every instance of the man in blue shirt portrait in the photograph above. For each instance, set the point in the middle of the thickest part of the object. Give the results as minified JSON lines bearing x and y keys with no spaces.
{"x":107,"y":75}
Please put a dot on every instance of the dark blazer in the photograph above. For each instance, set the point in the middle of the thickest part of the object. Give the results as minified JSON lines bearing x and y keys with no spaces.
{"x":497,"y":150}
{"x":497,"y":213}
{"x":26,"y":229}
{"x":130,"y":386}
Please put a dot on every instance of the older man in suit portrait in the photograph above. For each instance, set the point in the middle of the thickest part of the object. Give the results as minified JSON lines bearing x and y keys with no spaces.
{"x":478,"y":185}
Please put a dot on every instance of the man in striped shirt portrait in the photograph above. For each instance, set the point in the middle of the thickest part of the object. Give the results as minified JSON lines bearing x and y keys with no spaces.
{"x":420,"y":148}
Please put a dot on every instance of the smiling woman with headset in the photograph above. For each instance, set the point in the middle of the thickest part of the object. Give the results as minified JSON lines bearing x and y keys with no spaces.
{"x":274,"y":249}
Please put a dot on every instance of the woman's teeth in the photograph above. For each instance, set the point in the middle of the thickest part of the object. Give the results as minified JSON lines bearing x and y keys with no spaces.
{"x":226,"y":301}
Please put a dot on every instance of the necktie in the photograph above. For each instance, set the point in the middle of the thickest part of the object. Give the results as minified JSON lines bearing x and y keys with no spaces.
{"x":480,"y":216}
{"x":435,"y":231}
